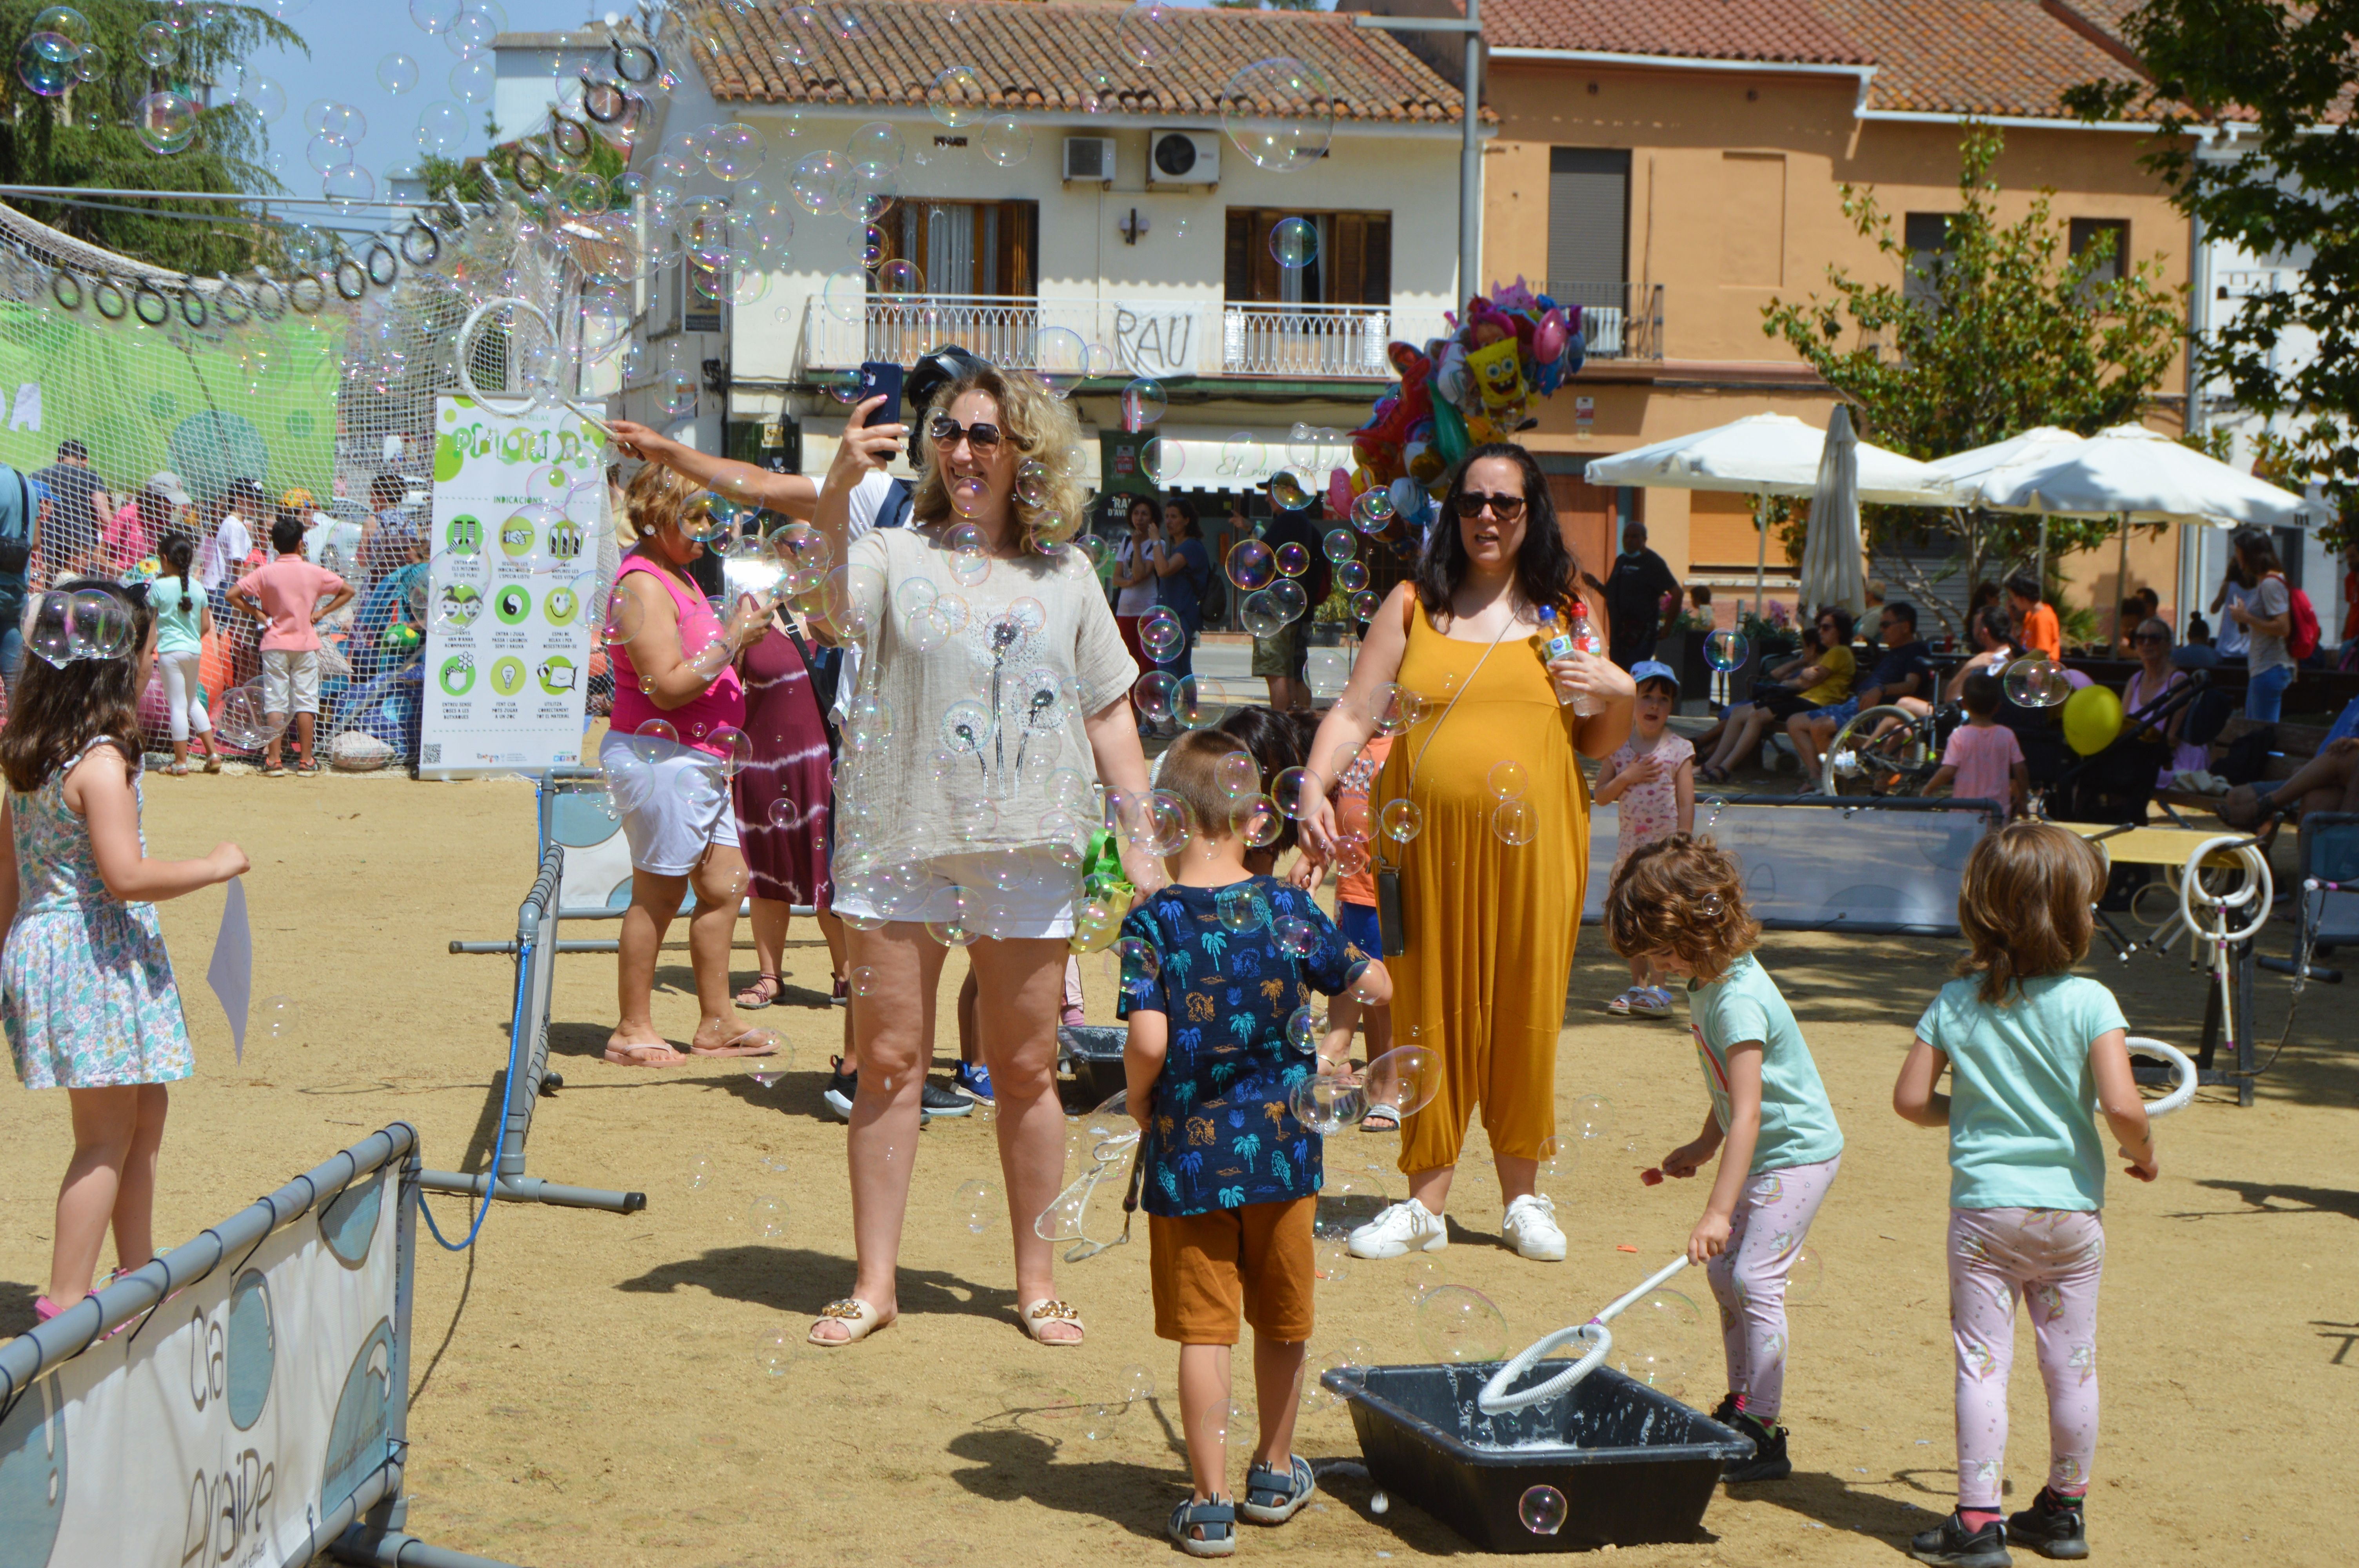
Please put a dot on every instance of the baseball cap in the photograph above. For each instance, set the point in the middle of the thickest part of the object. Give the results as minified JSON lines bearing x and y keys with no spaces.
{"x":168,"y":486}
{"x":1645,"y":670}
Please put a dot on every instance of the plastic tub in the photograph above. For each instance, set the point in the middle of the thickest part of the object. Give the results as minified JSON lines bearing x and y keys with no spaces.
{"x":1635,"y":1466}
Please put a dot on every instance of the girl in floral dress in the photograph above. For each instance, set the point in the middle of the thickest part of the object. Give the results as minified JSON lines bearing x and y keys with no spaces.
{"x":89,"y":1003}
{"x":1653,"y":779}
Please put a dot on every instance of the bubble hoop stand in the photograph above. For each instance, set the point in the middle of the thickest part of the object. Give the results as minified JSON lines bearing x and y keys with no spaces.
{"x":492,"y":403}
{"x":2219,"y":926}
{"x":1495,"y":1399}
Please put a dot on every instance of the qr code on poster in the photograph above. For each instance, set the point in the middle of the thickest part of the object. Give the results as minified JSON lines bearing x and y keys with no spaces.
{"x":433,"y":753}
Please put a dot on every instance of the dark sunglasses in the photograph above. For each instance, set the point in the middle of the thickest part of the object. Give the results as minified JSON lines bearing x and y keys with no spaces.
{"x":1506,"y":508}
{"x":2149,"y":637}
{"x":945,"y":431}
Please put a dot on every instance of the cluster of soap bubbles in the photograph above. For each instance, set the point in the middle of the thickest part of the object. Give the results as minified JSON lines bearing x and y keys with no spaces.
{"x":1404,"y":1081}
{"x":80,"y":623}
{"x":61,"y":58}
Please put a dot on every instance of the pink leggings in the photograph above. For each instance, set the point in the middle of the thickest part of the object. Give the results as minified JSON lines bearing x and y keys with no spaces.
{"x":1749,"y":1278}
{"x":2050,"y":1258}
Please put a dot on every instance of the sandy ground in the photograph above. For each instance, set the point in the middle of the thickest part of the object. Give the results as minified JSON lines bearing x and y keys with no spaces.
{"x":589,"y":1388}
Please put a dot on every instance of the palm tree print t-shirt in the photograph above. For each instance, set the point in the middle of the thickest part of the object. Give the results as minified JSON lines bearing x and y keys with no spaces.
{"x":1230,"y":966}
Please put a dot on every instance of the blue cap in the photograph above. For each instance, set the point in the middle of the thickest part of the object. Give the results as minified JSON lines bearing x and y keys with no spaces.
{"x":1645,"y":670}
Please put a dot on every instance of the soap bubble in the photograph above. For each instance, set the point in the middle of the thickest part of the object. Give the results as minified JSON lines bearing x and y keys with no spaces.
{"x":1374,"y":512}
{"x":1592,"y":1115}
{"x":1005,"y":140}
{"x":1240,"y":909}
{"x":1515,"y":822}
{"x":1152,"y":695}
{"x":1147,"y":33}
{"x":767,"y":1216}
{"x":1402,"y":820}
{"x":2036,"y":683}
{"x":1542,"y":1509}
{"x":1294,"y":243}
{"x":1252,"y":565}
{"x":1727,"y":651}
{"x":979,"y":1206}
{"x":1509,"y":779}
{"x":1806,"y":1274}
{"x":1161,"y":635}
{"x":1457,"y":1324}
{"x":156,"y":44}
{"x":1060,"y":358}
{"x":1289,"y":491}
{"x":277,"y":1019}
{"x":1326,"y":1105}
{"x":1292,"y":790}
{"x":1257,"y":822}
{"x":1306,"y":1026}
{"x":166,"y":122}
{"x":958,"y":97}
{"x":1260,"y":614}
{"x":777,"y":1349}
{"x":396,"y":73}
{"x":1164,"y":832}
{"x":700,"y":1173}
{"x":732,"y":748}
{"x":1281,"y":113}
{"x":1239,"y":776}
{"x":1405,"y":1078}
{"x":876,"y":146}
{"x":1161,"y":461}
{"x":656,"y":740}
{"x":733,"y":151}
{"x":1293,"y":560}
{"x":1296,"y":936}
{"x":1143,"y":403}
{"x":1198,"y":702}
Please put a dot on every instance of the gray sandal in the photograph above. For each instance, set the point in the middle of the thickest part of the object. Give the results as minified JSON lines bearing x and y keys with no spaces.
{"x":1218,"y":1520}
{"x":1273,"y":1498}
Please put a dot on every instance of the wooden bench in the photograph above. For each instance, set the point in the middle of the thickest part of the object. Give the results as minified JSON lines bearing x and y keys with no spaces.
{"x":2297,"y":744}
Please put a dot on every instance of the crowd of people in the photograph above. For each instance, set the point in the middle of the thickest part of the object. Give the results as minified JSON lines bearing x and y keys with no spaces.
{"x":941,"y":751}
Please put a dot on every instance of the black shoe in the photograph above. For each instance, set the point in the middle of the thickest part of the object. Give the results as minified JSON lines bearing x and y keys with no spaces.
{"x":2052,"y":1526}
{"x":1768,"y":1461}
{"x":842,"y":1083}
{"x":1951,"y":1544}
{"x":936,"y":1101}
{"x":1724,"y":1412}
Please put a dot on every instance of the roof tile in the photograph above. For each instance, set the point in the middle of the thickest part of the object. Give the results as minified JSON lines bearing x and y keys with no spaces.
{"x":1036,"y":57}
{"x":1784,"y":30}
{"x":1972,"y":57}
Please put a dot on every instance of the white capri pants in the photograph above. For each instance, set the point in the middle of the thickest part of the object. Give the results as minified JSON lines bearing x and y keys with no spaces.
{"x":184,"y":693}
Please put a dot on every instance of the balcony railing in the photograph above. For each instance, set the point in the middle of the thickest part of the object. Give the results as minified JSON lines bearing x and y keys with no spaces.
{"x":1129,"y":337}
{"x":1618,"y":321}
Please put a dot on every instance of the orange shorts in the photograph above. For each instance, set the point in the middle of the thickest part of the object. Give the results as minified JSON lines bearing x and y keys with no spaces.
{"x":1210,"y":1268}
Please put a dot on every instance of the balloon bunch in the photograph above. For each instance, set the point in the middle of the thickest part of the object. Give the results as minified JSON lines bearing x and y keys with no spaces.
{"x":1475,"y":386}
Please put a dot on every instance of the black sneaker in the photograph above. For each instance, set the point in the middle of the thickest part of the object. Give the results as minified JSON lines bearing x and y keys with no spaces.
{"x":1951,"y":1544}
{"x":842,"y":1083}
{"x":1724,"y":1412}
{"x":937,"y":1101}
{"x":2052,"y":1526}
{"x":1768,"y":1461}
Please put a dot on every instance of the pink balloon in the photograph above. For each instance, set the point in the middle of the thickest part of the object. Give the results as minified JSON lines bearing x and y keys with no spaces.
{"x":1549,"y":338}
{"x":1339,"y":493}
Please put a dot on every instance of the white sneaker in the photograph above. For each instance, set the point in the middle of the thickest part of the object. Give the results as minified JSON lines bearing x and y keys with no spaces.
{"x":1531,"y":1227}
{"x":1403,"y":1225}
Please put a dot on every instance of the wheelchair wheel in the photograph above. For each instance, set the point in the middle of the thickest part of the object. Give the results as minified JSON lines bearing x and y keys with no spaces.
{"x":1884,"y":751}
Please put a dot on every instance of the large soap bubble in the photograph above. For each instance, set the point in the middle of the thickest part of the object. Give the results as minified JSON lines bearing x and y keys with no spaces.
{"x":1457,"y":1324}
{"x":1281,"y":113}
{"x":2036,"y":683}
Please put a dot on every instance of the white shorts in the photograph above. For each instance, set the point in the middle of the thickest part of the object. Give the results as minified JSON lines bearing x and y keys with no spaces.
{"x":1038,"y":900}
{"x":291,"y":672}
{"x":674,"y":802}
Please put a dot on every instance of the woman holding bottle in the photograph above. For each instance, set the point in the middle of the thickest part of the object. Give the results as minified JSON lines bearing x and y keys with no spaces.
{"x":1480,"y":806}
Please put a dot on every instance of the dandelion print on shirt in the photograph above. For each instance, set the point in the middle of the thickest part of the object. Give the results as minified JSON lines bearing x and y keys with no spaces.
{"x":1223,"y":1135}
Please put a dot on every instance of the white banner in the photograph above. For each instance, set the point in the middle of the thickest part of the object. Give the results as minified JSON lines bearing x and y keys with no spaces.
{"x":519,"y":514}
{"x":224,"y":1429}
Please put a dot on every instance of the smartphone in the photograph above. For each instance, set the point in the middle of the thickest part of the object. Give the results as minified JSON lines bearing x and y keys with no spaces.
{"x":880,"y":378}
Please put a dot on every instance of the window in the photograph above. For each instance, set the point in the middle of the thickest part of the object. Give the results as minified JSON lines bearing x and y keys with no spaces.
{"x":1589,"y":219}
{"x":2086,"y":233}
{"x":1350,"y":265}
{"x":1926,"y":235}
{"x":967,"y":247}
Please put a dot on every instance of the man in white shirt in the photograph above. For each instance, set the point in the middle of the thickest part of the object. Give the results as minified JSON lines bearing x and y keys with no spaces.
{"x":222,"y":558}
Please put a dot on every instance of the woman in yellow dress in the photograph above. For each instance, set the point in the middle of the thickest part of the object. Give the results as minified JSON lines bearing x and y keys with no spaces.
{"x":1493,"y":876}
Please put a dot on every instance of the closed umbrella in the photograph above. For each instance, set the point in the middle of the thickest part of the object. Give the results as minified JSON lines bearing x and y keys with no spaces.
{"x":1770,"y":454}
{"x":1831,"y":573}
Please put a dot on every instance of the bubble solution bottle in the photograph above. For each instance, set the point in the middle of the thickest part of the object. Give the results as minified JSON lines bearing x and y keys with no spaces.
{"x":1562,"y":643}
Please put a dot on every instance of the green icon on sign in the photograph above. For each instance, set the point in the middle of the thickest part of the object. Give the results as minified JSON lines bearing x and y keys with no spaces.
{"x":458,"y":675}
{"x":557,"y":674}
{"x":511,"y":604}
{"x":507,"y":676}
{"x":560,"y":606}
{"x":515,"y":535}
{"x":466,"y":536}
{"x":460,"y":605}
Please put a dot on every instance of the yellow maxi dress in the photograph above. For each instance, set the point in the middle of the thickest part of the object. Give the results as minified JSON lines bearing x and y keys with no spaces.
{"x":1490,"y":924}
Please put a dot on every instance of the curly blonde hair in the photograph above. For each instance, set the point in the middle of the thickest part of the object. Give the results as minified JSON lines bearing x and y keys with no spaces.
{"x":657,"y":496}
{"x":2026,"y":905}
{"x":1039,"y":425}
{"x":1684,"y":896}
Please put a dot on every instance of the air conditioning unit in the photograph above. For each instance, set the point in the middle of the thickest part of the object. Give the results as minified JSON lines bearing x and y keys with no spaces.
{"x":1183,"y":158}
{"x":1089,"y":157}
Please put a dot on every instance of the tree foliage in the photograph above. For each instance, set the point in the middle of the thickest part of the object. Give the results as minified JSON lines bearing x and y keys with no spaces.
{"x":83,"y":137}
{"x":2281,"y":187}
{"x":2005,"y":332}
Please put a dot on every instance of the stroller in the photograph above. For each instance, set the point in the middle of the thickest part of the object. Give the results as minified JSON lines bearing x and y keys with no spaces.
{"x":2116,"y":784}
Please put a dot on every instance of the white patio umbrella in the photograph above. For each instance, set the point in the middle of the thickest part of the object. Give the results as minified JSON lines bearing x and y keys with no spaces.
{"x":1970,"y":469}
{"x":1768,"y":454}
{"x":1830,"y":571}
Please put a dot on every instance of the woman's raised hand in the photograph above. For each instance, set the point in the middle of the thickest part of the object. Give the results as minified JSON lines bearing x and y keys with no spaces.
{"x":636,"y":440}
{"x":866,"y":448}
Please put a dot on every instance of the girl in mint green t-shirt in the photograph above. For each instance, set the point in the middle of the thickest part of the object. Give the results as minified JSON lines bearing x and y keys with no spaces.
{"x":1680,"y":904}
{"x":2029,"y":1047}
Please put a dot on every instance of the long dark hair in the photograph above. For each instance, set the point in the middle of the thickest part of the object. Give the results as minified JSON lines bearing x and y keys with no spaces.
{"x":1278,"y":742}
{"x":177,"y":552}
{"x":1545,"y":568}
{"x":59,"y":710}
{"x":2257,"y":552}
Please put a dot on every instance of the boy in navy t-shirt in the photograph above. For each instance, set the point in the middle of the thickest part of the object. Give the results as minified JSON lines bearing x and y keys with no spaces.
{"x":1221,"y":960}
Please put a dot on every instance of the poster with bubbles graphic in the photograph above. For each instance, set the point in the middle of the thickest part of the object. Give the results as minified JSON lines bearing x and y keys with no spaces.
{"x":520,"y":528}
{"x":231,"y":1423}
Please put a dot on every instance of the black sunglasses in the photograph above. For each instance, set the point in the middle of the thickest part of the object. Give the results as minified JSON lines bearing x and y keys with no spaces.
{"x":2149,"y":637}
{"x":1506,"y":508}
{"x":945,"y":431}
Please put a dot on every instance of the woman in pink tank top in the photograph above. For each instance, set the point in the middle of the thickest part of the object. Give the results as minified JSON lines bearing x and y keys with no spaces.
{"x":678,"y":711}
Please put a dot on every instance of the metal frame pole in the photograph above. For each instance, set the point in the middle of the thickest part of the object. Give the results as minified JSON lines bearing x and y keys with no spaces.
{"x":1470,"y":162}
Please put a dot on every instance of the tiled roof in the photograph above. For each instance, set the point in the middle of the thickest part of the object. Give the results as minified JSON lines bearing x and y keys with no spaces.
{"x":1040,"y":58}
{"x":1972,"y":57}
{"x":1784,"y":30}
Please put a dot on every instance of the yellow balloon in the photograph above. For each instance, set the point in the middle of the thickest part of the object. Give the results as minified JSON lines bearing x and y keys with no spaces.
{"x":2092,"y":717}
